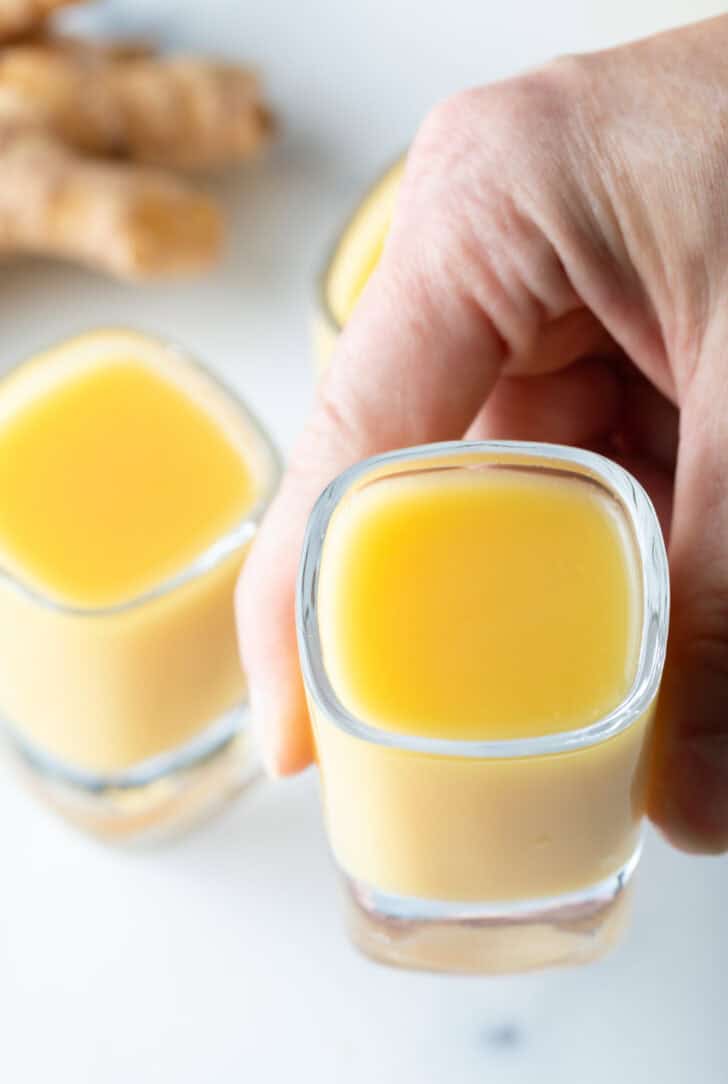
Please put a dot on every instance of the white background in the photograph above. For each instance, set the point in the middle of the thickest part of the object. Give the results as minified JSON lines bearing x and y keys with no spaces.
{"x":221,"y":958}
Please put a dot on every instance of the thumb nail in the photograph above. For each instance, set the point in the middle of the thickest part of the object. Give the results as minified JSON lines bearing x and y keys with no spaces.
{"x":263,"y":733}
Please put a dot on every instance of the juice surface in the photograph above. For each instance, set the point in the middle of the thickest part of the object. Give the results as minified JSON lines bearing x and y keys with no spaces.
{"x":488,"y":604}
{"x":113,"y":480}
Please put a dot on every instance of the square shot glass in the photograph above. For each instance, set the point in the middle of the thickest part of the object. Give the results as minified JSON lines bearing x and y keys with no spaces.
{"x":528,"y":861}
{"x":131,"y":719}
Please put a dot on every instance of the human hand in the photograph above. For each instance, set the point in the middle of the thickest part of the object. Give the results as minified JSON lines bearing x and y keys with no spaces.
{"x":557,"y":270}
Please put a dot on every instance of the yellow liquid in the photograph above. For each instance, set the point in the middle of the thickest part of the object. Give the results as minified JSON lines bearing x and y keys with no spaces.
{"x":121,"y":464}
{"x":113,"y":482}
{"x":490,"y":604}
{"x":472,"y":605}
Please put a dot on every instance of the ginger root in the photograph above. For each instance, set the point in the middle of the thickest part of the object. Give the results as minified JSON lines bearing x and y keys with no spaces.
{"x":81,"y":126}
{"x":179,"y":112}
{"x":23,"y":16}
{"x":129,"y":221}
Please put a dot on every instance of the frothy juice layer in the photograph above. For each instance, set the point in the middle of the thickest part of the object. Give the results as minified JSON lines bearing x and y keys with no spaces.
{"x":483,"y":604}
{"x":476,"y":604}
{"x":123,"y":466}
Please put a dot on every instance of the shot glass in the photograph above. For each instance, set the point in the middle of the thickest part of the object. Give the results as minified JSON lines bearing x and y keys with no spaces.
{"x":131,"y":719}
{"x":350,"y":261}
{"x":487,"y":855}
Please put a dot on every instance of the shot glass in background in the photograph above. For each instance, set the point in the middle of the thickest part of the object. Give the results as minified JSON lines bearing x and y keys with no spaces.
{"x":482,"y":629}
{"x":350,"y":261}
{"x":131,"y":485}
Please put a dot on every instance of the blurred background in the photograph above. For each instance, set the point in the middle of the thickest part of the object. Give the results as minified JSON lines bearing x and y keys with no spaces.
{"x":221,"y":957}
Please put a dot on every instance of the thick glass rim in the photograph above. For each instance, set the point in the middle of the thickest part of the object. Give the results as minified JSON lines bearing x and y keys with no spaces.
{"x":234,"y":538}
{"x":655,"y":593}
{"x":332,"y":251}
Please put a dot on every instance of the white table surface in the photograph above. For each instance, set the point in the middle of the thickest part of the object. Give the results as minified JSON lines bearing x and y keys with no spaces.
{"x":221,"y":958}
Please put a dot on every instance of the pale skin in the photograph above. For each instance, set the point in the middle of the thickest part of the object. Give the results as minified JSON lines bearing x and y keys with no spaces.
{"x":557,"y":270}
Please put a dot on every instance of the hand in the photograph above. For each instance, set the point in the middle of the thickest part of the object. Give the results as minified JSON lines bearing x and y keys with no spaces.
{"x":557,"y":270}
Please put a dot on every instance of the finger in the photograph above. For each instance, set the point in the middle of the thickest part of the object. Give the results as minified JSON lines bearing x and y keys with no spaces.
{"x":416,"y":362}
{"x":650,"y":421}
{"x":577,"y":334}
{"x":265,"y":608}
{"x":579,"y":405}
{"x":689,"y":778}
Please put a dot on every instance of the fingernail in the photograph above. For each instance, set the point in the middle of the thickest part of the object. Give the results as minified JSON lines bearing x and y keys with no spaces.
{"x":264,"y":735}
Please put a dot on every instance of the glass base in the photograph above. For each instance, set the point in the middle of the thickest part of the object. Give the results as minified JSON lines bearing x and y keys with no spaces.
{"x":156,"y":799}
{"x":490,"y":939}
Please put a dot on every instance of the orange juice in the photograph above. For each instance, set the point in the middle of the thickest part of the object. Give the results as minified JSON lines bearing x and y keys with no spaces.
{"x":130,"y":482}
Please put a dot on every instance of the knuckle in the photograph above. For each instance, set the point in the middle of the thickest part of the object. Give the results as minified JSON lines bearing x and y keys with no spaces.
{"x":536,"y":109}
{"x":505,"y":122}
{"x":489,"y":170}
{"x":568,"y":77}
{"x":450,"y":122}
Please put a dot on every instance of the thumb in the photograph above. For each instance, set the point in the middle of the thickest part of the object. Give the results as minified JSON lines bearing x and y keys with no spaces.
{"x":689,"y":778}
